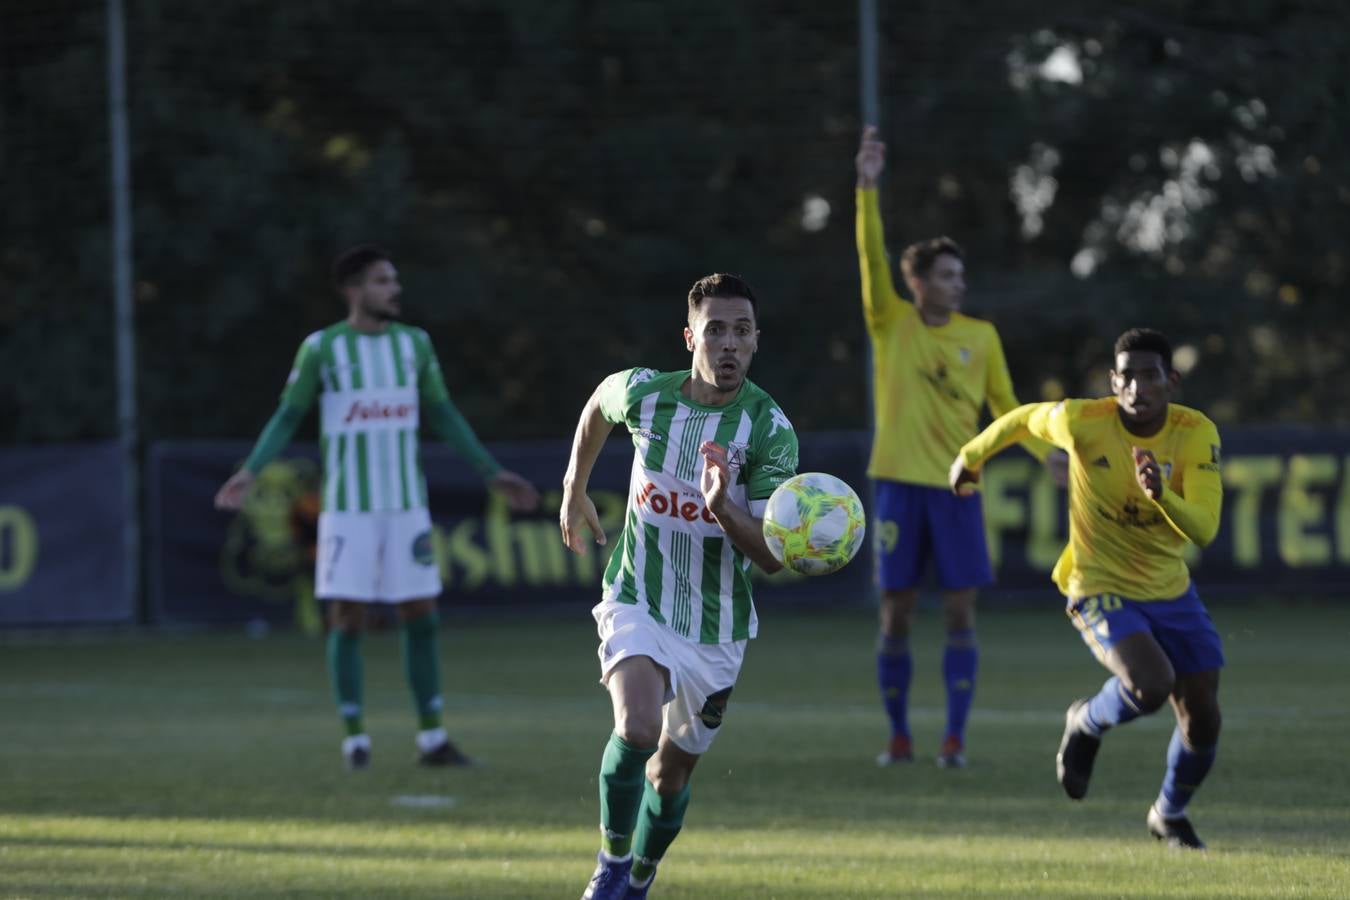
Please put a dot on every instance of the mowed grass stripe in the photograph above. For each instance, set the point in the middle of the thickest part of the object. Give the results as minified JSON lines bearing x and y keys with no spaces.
{"x":207,"y":765}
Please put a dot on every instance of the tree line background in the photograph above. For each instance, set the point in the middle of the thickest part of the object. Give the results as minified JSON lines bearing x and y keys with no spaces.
{"x":552,"y":175}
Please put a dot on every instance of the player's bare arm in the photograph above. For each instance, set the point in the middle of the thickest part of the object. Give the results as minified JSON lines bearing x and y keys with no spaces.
{"x":1148,"y":474}
{"x":577,"y":513}
{"x":520,"y":494}
{"x":961,"y":477}
{"x":745,"y":531}
{"x":231,"y":495}
{"x":871,"y":158}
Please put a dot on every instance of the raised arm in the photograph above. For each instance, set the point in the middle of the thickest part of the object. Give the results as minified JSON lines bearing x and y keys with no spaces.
{"x":878,"y":290}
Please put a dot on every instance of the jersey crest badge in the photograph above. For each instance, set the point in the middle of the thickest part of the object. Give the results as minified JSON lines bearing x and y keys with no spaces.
{"x":736,"y":454}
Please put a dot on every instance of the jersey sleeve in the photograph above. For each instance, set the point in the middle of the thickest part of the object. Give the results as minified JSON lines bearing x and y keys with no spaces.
{"x":431,"y":388}
{"x":1051,"y":422}
{"x":1000,"y":396}
{"x":1194,"y":511}
{"x":772,"y":460}
{"x":616,"y":392}
{"x":303,"y":383}
{"x":881,"y":304}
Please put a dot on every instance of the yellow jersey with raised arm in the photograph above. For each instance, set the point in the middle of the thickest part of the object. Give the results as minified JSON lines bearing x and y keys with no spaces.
{"x":1120,"y":541}
{"x":930,"y":383}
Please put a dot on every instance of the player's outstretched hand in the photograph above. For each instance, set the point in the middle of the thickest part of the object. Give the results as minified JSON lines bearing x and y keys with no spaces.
{"x":1057,"y":464}
{"x":871,"y":158}
{"x":716,"y":478}
{"x":1148,"y":473}
{"x":520,"y":495}
{"x":961,"y":479}
{"x":232,"y":493}
{"x":578,"y":513}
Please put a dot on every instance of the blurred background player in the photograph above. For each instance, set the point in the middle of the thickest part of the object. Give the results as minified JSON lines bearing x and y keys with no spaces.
{"x":1144,"y":482}
{"x":377,"y":380}
{"x":933,"y":371}
{"x":710,"y":447}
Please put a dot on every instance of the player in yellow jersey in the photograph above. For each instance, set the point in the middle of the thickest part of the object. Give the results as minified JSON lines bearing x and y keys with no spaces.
{"x":1143,"y":483}
{"x":934,"y":370}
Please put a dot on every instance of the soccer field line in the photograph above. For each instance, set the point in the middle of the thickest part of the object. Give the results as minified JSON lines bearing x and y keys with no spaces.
{"x":1234,"y":713}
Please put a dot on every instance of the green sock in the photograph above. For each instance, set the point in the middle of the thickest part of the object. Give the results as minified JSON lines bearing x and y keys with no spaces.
{"x":661,"y":820}
{"x":344,"y":668}
{"x":622,"y":775}
{"x":422,"y":664}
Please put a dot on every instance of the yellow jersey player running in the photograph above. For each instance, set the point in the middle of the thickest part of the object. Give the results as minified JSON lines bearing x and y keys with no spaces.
{"x":934,"y":370}
{"x":1143,"y":482}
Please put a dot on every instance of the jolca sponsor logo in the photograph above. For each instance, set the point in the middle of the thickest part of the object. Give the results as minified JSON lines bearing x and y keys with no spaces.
{"x":674,"y":505}
{"x":376,"y":411}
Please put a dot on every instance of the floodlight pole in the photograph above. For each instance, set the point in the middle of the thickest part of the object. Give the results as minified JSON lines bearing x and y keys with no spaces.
{"x":124,"y":322}
{"x":867,"y":62}
{"x":870,"y":105}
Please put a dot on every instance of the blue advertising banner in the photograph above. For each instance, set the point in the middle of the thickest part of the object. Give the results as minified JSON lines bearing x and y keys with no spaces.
{"x":1285,"y":524}
{"x":61,"y":556}
{"x":1286,"y":527}
{"x":207,"y":566}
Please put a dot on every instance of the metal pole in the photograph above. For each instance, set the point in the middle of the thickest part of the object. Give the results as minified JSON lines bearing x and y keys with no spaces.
{"x":867,"y":62}
{"x":124,"y":322}
{"x":870,"y":105}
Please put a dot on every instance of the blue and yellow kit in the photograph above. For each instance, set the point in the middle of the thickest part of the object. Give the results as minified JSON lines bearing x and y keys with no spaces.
{"x":930,"y":382}
{"x":1120,"y":541}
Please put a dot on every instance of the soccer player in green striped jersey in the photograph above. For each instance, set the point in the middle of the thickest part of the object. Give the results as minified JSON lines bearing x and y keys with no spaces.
{"x":709,"y":449}
{"x":376,"y":381}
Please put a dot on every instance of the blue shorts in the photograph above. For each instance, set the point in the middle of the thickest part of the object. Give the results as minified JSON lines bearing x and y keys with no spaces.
{"x":1181,"y":626}
{"x":918,"y":522}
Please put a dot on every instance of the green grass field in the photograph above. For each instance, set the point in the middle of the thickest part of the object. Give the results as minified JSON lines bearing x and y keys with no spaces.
{"x":208,"y":766}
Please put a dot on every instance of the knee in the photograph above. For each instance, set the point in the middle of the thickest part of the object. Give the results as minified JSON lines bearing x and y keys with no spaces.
{"x":960,"y":618}
{"x":1201,"y":728}
{"x":667,"y":781}
{"x":638,"y":730}
{"x":958,"y":610}
{"x":896,"y":613}
{"x":348,"y":625}
{"x":1151,"y":692}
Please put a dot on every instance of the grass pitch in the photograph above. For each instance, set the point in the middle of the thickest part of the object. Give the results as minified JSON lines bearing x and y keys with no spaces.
{"x":207,"y":766}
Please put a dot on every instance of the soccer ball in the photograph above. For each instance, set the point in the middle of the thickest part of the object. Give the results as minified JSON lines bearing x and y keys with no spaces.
{"x":814,"y":523}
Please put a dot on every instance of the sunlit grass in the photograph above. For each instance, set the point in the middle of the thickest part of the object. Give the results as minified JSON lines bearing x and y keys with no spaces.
{"x":207,"y":766}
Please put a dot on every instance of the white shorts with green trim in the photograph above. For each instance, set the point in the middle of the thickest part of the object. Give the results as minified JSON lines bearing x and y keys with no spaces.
{"x":701,"y":676}
{"x":376,"y":557}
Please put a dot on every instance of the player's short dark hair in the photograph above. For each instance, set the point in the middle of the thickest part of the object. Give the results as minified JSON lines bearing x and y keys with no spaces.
{"x":720,"y":285}
{"x":917,"y":259}
{"x":1145,"y":340}
{"x":351,"y":264}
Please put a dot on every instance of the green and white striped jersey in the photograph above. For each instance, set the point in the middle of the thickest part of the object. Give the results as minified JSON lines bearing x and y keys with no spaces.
{"x":370,"y":387}
{"x":673,"y":557}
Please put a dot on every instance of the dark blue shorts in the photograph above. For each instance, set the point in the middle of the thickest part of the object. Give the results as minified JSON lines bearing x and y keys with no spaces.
{"x":1181,"y":626}
{"x":917,"y":522}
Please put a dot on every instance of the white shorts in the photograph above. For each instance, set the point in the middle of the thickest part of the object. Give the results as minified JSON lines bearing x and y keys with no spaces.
{"x":376,"y":557}
{"x":701,"y":675}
